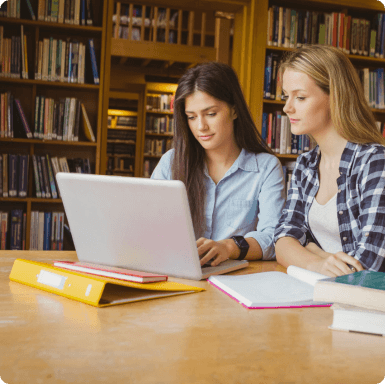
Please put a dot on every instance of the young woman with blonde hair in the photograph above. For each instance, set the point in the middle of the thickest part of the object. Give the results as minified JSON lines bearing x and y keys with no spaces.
{"x":234,"y":184}
{"x":334,"y":219}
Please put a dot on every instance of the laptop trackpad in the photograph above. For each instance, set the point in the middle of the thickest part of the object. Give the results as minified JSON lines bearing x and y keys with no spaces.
{"x":225,"y":267}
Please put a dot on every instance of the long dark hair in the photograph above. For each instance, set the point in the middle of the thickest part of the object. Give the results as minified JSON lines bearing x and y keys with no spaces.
{"x":220,"y":81}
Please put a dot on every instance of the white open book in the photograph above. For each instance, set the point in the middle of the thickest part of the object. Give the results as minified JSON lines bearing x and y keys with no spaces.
{"x":272,"y":289}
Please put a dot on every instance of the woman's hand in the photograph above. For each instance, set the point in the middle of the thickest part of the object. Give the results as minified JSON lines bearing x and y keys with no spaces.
{"x":337,"y":264}
{"x":217,"y":251}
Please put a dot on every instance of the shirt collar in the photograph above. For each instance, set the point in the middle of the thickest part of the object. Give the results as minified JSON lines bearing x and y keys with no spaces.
{"x":246,"y":161}
{"x":347,"y":158}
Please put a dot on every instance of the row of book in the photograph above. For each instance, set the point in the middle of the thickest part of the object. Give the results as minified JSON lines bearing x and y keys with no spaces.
{"x":14,"y":174}
{"x":45,"y":169}
{"x":13,"y":55}
{"x":46,"y":231}
{"x":117,"y":148}
{"x":121,"y":135}
{"x":55,"y":59}
{"x":373,"y":85}
{"x":160,"y":103}
{"x":122,"y":121}
{"x":155,"y":147}
{"x":372,"y":82}
{"x":54,"y":120}
{"x":118,"y":164}
{"x":13,"y":230}
{"x":164,"y":124}
{"x":78,"y":12}
{"x":292,"y":28}
{"x":277,"y":134}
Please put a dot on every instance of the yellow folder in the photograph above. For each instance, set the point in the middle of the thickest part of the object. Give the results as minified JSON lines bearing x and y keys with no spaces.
{"x":94,"y":290}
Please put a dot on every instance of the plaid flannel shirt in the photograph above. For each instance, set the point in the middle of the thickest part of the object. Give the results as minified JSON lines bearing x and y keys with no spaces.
{"x":360,"y":202}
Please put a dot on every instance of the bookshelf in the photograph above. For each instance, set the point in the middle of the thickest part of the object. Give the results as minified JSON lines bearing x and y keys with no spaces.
{"x":159,"y":127}
{"x":26,"y":90}
{"x":124,"y":131}
{"x":148,"y":55}
{"x":251,"y":24}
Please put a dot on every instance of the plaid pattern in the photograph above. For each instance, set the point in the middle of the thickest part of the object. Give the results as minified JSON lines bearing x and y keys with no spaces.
{"x":360,"y":202}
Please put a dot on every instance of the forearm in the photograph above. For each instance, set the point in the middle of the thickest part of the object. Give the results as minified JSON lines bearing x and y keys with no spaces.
{"x":314,"y":248}
{"x":289,"y":251}
{"x":254,"y":252}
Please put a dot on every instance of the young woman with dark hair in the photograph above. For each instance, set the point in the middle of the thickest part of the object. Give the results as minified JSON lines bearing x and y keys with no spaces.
{"x":234,"y":184}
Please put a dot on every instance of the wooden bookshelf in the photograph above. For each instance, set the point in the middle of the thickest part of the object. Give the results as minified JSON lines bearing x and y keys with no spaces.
{"x":250,"y":37}
{"x":162,"y":48}
{"x":26,"y":90}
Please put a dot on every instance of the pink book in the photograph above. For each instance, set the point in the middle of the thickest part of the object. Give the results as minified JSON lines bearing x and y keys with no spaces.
{"x":271,"y":289}
{"x":113,"y":272}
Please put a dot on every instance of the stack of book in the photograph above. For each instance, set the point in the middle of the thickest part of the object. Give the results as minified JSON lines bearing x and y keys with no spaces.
{"x":13,"y":175}
{"x":359,"y":301}
{"x":292,"y":28}
{"x":13,"y":231}
{"x":47,"y":231}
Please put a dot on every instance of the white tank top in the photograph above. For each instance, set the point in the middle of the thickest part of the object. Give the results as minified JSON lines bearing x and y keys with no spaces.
{"x":323,"y":223}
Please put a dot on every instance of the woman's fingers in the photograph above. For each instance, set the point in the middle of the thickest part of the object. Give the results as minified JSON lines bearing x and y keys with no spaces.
{"x":351,"y":261}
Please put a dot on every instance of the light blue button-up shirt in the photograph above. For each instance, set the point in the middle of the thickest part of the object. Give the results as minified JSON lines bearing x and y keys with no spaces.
{"x":247,"y":201}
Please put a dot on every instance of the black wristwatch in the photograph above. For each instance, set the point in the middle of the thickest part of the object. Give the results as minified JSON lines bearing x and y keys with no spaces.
{"x":242,"y":244}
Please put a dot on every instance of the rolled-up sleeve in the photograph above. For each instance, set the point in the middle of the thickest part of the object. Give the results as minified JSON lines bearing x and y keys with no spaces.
{"x":271,"y":202}
{"x":292,"y":222}
{"x":370,"y":242}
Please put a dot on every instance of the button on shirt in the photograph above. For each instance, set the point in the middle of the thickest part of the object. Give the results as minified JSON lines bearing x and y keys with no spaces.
{"x":360,"y":202}
{"x":247,"y":201}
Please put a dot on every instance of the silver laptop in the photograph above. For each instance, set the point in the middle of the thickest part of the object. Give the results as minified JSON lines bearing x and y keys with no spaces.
{"x":135,"y":223}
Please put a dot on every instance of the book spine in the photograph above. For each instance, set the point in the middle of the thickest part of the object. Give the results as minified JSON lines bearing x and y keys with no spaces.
{"x":54,"y":11}
{"x":77,"y":121}
{"x":93,"y":61}
{"x":24,"y":120}
{"x":13,"y":167}
{"x":5,"y":175}
{"x":67,"y":11}
{"x":47,"y":231}
{"x":23,"y":175}
{"x":41,"y":118}
{"x":1,"y":181}
{"x":54,"y":231}
{"x":41,"y":177}
{"x":89,"y":12}
{"x":41,"y":10}
{"x":36,"y":174}
{"x":51,"y":178}
{"x":45,"y":177}
{"x":24,"y":232}
{"x":61,"y":11}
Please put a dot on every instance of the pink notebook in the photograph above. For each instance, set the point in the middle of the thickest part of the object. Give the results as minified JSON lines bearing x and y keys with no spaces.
{"x":271,"y":289}
{"x":113,"y":272}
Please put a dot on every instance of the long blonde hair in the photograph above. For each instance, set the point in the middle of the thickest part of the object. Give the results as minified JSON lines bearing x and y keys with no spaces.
{"x":335,"y":75}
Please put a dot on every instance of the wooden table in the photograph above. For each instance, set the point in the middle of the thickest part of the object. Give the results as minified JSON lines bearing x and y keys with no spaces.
{"x":202,"y":338}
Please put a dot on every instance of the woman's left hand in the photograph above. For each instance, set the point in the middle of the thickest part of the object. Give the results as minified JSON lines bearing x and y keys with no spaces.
{"x":217,"y":250}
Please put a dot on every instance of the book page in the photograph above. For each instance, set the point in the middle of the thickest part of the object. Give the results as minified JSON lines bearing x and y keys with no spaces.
{"x":304,"y":275}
